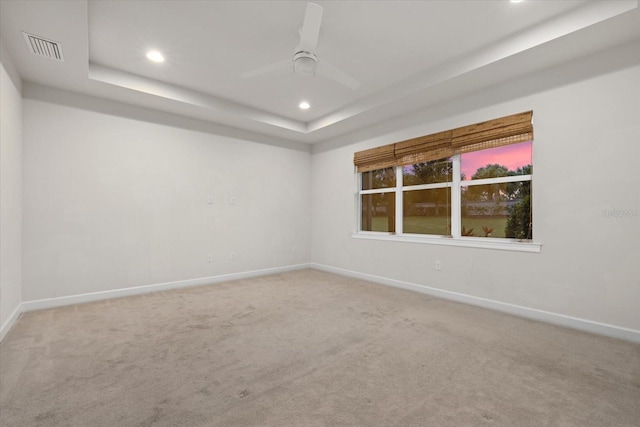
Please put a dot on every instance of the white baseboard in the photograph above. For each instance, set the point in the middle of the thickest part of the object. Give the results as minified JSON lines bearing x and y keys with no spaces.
{"x":517,"y":310}
{"x":530,"y":313}
{"x":8,"y":324}
{"x":117,"y":293}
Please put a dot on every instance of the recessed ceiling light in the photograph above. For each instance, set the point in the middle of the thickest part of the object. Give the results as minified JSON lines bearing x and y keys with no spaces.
{"x":516,"y":1}
{"x":155,"y":56}
{"x":304,"y":105}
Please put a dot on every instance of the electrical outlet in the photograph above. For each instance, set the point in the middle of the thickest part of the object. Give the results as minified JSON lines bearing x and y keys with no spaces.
{"x":210,"y":200}
{"x":232,"y":256}
{"x":294,"y":250}
{"x":210,"y":258}
{"x":232,"y":200}
{"x":438,"y":265}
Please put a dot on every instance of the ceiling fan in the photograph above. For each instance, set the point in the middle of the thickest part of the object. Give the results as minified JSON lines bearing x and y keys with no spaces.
{"x":305,"y":61}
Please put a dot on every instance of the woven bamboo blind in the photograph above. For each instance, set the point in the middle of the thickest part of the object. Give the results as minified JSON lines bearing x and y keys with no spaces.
{"x":375,"y":158}
{"x":493,"y":133}
{"x":423,"y":149}
{"x":480,"y":136}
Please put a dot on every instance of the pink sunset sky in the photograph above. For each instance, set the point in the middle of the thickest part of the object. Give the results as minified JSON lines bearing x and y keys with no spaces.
{"x":511,"y":156}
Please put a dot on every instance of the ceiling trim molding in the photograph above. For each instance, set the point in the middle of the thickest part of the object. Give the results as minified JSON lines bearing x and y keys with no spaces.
{"x":570,"y":22}
{"x":154,"y":87}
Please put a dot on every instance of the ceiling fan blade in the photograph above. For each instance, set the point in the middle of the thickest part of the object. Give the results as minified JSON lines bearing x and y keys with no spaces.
{"x":331,"y":72}
{"x":267,"y":69}
{"x":310,"y":28}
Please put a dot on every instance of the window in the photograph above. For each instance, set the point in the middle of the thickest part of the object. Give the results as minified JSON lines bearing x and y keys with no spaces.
{"x":377,"y":200}
{"x":496,"y":192}
{"x":426,"y":197}
{"x":470,"y":184}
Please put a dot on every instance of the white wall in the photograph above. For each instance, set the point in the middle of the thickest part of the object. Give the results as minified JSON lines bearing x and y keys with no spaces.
{"x":112,"y":202}
{"x":10,"y":192}
{"x":586,"y":160}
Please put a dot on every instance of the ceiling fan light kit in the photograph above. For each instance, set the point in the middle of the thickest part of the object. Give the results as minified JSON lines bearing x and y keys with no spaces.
{"x":304,"y":63}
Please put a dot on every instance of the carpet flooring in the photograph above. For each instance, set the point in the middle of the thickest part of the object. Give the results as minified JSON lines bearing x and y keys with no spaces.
{"x":308,"y":348}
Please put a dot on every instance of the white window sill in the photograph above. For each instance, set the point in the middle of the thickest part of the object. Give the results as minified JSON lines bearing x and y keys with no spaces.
{"x":467,"y":242}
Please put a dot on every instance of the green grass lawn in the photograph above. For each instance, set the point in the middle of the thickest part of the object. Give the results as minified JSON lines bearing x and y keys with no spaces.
{"x":438,"y":225}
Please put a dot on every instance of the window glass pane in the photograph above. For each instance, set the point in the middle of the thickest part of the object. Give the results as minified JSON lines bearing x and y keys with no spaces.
{"x":497,"y":210}
{"x":378,"y":212}
{"x":514,"y":159}
{"x":380,"y":178}
{"x":428,"y":172}
{"x":427,"y":211}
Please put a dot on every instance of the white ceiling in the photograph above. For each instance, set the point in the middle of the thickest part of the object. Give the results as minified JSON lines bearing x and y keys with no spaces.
{"x":406,"y":55}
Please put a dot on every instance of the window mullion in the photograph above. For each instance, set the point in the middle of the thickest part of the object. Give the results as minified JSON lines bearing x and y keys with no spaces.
{"x":427,"y":186}
{"x":399,"y":203}
{"x":456,"y":198}
{"x":379,"y":190}
{"x":497,"y":180}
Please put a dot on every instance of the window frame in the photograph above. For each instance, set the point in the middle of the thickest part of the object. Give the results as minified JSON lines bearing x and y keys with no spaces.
{"x":455,"y":239}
